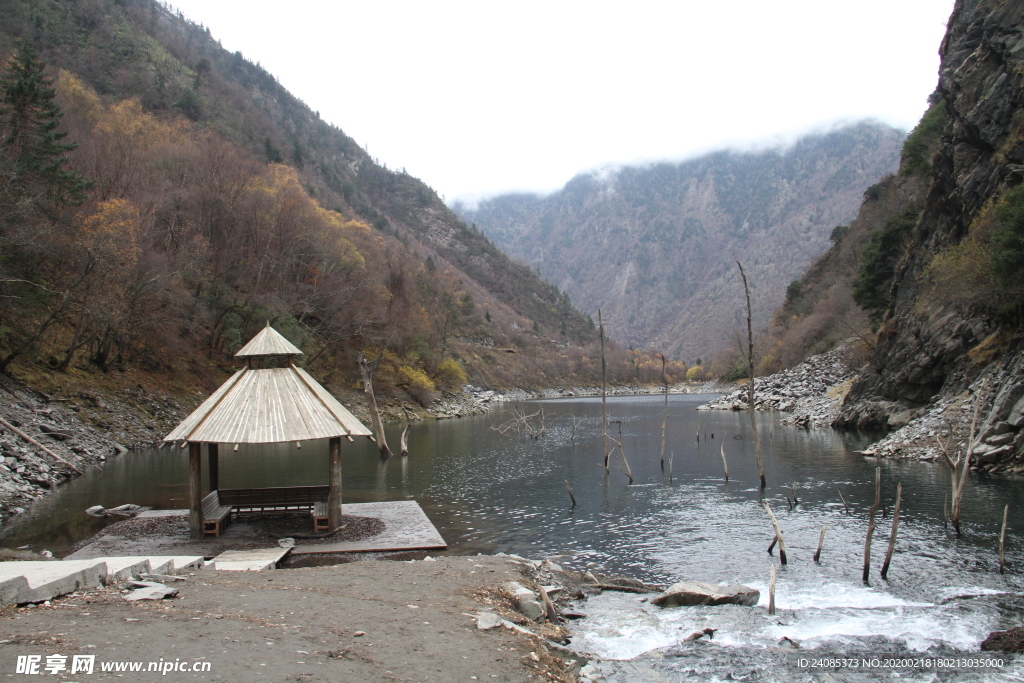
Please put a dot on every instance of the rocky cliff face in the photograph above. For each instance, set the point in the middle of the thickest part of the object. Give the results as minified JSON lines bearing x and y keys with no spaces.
{"x":924,"y":352}
{"x":655,"y":247}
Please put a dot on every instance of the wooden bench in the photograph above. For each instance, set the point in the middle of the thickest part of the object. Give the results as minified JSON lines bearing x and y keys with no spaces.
{"x":321,"y":518}
{"x":282,"y":499}
{"x":215,"y":515}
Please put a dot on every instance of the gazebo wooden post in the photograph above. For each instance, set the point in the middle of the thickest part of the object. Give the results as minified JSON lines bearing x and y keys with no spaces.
{"x":195,"y":464}
{"x":212,"y":455}
{"x":334,"y":497}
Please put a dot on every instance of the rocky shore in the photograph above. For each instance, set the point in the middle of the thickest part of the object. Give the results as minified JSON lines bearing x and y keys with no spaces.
{"x":812,"y":391}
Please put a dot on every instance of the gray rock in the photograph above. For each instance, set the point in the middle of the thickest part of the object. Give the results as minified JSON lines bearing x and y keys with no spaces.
{"x":53,"y":432}
{"x":531,"y":609}
{"x":150,"y":590}
{"x":487,"y":620}
{"x":1000,"y":439}
{"x":691,"y":593}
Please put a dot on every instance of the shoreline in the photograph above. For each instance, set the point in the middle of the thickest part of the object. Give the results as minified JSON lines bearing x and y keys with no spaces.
{"x":87,"y":427}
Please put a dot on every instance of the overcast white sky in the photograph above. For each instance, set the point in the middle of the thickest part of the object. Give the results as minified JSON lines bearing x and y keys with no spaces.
{"x":482,"y":97}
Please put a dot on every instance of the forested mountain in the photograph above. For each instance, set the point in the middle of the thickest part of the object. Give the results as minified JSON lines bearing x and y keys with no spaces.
{"x":655,"y":247}
{"x":208,"y":199}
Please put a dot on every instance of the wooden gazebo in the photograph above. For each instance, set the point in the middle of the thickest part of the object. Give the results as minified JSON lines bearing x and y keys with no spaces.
{"x":258,"y":405}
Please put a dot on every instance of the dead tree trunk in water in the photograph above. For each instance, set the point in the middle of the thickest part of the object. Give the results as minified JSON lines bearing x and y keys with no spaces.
{"x":778,"y":533}
{"x":750,"y":371}
{"x":963,"y":462}
{"x":895,"y":525}
{"x":367,"y":368}
{"x":664,"y":413}
{"x":871,"y":523}
{"x":1002,"y":539}
{"x":604,"y":396}
{"x":403,"y":443}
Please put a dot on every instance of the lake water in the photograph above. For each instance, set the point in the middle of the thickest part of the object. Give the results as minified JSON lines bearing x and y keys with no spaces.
{"x":487,"y":492}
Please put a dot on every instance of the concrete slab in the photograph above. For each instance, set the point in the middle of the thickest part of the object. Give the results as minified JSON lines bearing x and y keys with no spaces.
{"x":122,"y":568}
{"x":408,"y":528}
{"x":255,"y":560}
{"x":47,"y":580}
{"x":36,"y":581}
{"x":180,"y":563}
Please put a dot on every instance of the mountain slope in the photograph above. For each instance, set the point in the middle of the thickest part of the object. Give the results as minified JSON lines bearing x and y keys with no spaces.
{"x":953,"y":311}
{"x":208,"y":136}
{"x":655,"y":247}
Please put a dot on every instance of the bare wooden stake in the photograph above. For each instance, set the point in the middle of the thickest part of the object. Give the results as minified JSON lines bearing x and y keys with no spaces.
{"x":871,"y":523}
{"x":821,"y":542}
{"x":403,"y":442}
{"x":1002,"y":538}
{"x":843,"y":499}
{"x":549,"y":607}
{"x":778,"y":532}
{"x":569,"y":489}
{"x":664,"y":412}
{"x":750,"y":368}
{"x":604,"y":395}
{"x":795,"y":501}
{"x":671,"y":461}
{"x":628,"y":471}
{"x":771,"y":546}
{"x":892,"y":535}
{"x":725,"y":465}
{"x":771,"y":591}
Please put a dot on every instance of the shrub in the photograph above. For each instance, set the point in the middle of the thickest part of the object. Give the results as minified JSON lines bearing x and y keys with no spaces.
{"x":878,"y":266}
{"x":982,"y":272}
{"x":793,"y":291}
{"x":450,"y":374}
{"x":417,"y":383}
{"x":915,"y":159}
{"x":1008,"y":238}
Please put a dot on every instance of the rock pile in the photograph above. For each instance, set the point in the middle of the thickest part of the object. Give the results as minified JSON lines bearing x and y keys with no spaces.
{"x":999,"y":441}
{"x":811,"y":389}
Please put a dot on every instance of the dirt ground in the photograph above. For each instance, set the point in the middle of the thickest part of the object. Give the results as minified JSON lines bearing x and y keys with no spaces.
{"x":361,"y":621}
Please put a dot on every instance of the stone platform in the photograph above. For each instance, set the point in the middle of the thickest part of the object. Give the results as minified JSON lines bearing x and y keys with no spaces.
{"x":407,"y":528}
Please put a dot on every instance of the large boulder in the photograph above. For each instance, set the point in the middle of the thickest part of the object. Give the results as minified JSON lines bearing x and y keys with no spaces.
{"x":689,"y":593}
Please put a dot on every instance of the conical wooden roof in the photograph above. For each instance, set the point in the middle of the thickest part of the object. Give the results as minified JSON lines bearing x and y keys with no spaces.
{"x":268,"y":342}
{"x":268,"y":405}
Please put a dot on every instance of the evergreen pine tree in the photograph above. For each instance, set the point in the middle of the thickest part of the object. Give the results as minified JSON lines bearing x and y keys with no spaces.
{"x":33,"y":150}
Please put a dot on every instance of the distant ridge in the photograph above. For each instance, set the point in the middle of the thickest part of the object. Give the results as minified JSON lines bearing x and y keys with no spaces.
{"x":655,"y":246}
